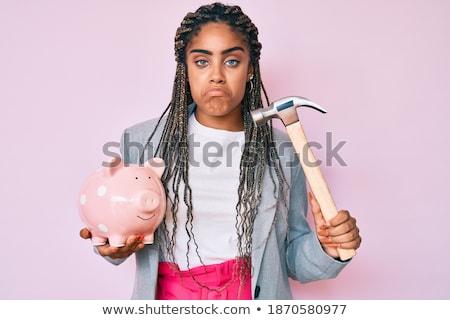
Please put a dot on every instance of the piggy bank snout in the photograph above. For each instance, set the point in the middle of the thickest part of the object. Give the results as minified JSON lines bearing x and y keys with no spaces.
{"x":148,"y":201}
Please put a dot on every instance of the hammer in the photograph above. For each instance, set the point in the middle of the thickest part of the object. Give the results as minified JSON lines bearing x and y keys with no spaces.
{"x":286,"y":110}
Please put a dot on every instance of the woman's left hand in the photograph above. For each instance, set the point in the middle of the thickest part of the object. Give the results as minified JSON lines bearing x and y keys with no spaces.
{"x":339,"y":232}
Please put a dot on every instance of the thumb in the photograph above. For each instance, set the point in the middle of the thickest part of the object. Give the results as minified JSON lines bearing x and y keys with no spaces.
{"x":85,"y":233}
{"x":316,"y":211}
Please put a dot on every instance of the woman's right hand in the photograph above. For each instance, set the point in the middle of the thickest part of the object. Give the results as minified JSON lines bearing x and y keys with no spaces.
{"x":132,"y":244}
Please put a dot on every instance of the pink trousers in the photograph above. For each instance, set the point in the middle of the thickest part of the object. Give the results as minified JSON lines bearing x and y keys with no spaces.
{"x":211,"y":282}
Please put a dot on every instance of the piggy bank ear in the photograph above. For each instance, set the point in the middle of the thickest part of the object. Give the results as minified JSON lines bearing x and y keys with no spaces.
{"x":112,"y":166}
{"x":157,"y":164}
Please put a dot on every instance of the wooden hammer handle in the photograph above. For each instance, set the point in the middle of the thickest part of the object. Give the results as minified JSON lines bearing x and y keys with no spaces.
{"x":315,"y":178}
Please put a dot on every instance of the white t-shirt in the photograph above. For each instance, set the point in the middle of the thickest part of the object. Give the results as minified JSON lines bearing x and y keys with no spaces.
{"x":214,"y":179}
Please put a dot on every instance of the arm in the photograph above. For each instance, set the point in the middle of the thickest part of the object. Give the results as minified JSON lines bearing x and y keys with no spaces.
{"x":307,"y":260}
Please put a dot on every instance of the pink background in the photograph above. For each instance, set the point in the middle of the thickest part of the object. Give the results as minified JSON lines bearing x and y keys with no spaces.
{"x":74,"y":74}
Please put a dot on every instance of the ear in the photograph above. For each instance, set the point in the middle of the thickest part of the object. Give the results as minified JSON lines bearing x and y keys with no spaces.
{"x":250,"y":72}
{"x":157,"y":164}
{"x":111,"y":167}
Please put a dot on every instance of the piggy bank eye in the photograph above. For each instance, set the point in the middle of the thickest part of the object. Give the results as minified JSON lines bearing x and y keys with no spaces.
{"x":137,"y":178}
{"x":149,"y":177}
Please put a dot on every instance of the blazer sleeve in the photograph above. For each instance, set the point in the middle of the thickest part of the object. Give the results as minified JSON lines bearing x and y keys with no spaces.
{"x":306,"y":259}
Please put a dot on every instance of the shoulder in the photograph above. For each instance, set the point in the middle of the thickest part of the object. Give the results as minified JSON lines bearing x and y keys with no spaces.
{"x":280,"y":135}
{"x":284,"y":146}
{"x":287,"y":155}
{"x":139,"y":141}
{"x":141,"y":131}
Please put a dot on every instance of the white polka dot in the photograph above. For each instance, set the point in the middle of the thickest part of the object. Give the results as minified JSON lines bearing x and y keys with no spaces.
{"x":102,"y":227}
{"x":83,"y":199}
{"x":101,"y":191}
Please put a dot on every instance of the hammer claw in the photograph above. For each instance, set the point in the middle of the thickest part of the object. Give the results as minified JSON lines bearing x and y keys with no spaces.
{"x":286,"y":106}
{"x":296,"y":101}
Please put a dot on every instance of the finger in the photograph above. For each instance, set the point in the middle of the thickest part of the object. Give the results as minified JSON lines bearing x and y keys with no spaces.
{"x":350,"y":238}
{"x":343,"y":237}
{"x":107,"y":250}
{"x":85,"y":233}
{"x":343,"y":228}
{"x":341,"y":217}
{"x":342,"y":225}
{"x":329,"y":243}
{"x":354,"y":244}
{"x":316,"y":211}
{"x":134,"y":243}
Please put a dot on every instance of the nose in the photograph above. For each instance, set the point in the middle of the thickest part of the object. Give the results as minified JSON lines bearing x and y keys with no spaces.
{"x":217,"y":75}
{"x":147,"y":201}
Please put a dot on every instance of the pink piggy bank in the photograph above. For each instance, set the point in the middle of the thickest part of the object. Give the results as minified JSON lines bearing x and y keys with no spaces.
{"x":119,"y":201}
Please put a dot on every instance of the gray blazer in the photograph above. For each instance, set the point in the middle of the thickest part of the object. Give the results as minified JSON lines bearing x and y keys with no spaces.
{"x":283,"y":244}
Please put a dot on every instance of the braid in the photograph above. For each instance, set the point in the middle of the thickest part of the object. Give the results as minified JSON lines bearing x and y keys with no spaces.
{"x":258,"y":153}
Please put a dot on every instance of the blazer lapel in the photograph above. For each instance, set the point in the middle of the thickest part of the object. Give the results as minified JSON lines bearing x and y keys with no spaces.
{"x":263,"y":224}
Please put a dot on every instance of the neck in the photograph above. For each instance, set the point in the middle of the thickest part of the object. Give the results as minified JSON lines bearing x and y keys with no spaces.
{"x":230,"y":122}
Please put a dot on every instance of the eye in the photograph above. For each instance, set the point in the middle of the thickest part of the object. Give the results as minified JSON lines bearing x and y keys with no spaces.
{"x":137,"y":178}
{"x":201,"y":62}
{"x":149,"y":177}
{"x":232,"y":62}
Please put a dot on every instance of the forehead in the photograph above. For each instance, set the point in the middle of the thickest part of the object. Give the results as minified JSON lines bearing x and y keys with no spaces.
{"x":217,"y":36}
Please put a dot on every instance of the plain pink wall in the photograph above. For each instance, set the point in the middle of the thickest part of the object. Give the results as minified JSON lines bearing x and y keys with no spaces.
{"x":74,"y":74}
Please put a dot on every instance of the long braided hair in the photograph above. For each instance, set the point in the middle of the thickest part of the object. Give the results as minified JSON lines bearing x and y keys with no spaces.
{"x":259,"y":151}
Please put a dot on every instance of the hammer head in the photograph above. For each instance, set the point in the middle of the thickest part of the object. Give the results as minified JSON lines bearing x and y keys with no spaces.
{"x":284,"y":109}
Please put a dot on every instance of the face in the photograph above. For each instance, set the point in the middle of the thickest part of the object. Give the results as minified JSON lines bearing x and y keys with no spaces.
{"x":218,"y":67}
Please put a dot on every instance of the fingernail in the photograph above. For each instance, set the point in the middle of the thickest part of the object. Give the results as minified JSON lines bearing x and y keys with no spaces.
{"x":323,"y":233}
{"x":326,"y":241}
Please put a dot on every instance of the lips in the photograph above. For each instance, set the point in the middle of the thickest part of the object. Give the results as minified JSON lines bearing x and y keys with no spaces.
{"x":215,"y":92}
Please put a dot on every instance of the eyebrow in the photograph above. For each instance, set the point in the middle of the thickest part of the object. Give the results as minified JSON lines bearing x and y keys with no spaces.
{"x":223,"y":52}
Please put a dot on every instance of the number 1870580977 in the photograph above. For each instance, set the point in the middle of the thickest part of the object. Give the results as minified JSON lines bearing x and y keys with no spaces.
{"x":306,"y":308}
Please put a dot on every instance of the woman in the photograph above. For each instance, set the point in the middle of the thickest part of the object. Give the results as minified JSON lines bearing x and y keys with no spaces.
{"x":236,"y":223}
